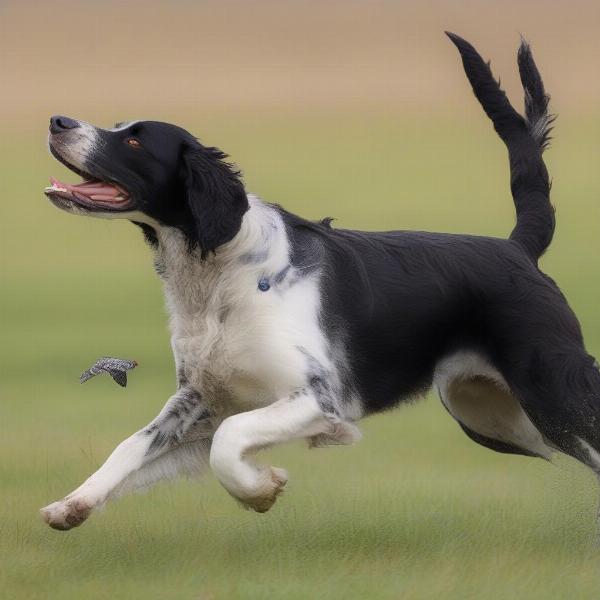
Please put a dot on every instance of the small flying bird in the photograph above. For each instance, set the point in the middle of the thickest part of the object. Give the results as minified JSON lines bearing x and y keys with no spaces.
{"x":116,"y":367}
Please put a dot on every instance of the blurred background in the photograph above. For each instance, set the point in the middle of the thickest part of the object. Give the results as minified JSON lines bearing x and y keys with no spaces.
{"x":357,"y":110}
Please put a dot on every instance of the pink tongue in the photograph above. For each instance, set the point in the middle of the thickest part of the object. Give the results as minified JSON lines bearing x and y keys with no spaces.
{"x":91,"y":188}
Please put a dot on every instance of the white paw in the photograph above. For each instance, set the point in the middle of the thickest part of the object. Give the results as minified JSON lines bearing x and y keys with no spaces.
{"x":269,"y":486}
{"x":67,"y":513}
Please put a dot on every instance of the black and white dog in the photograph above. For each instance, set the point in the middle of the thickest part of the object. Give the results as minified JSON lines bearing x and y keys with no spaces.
{"x":285,"y":329}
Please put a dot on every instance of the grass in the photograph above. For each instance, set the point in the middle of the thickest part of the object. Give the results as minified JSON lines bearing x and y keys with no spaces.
{"x":414,"y":511}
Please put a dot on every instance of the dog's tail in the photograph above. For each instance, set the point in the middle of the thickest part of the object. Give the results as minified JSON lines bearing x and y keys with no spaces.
{"x":526,"y":138}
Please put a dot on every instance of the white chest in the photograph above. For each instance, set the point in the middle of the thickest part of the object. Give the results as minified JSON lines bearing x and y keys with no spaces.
{"x":241,"y":346}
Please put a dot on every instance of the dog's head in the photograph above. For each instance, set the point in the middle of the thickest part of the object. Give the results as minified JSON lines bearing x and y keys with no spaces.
{"x":150,"y":172}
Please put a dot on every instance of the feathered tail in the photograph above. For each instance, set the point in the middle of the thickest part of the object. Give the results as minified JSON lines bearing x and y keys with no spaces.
{"x":525,"y":137}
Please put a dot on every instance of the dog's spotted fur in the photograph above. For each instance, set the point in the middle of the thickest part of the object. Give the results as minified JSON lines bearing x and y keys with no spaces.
{"x":285,"y":329}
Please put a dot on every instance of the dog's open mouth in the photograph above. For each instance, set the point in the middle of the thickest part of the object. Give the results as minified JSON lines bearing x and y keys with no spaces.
{"x":91,"y":194}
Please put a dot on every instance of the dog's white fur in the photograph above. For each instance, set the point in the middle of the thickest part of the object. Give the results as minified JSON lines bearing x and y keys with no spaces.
{"x":82,"y":142}
{"x":248,"y":351}
{"x":476,"y":394}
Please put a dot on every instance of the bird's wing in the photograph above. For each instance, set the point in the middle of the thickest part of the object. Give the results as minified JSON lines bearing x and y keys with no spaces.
{"x":119,"y":376}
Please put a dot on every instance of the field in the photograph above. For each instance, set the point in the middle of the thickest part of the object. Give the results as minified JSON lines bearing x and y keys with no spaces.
{"x":414,"y":511}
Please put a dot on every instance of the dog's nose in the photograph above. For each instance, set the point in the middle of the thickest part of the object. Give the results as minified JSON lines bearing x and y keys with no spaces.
{"x":58,"y":124}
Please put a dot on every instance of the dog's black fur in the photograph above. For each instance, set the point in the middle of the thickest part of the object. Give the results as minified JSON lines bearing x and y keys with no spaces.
{"x":403,"y":300}
{"x":172,"y":178}
{"x":399,"y":303}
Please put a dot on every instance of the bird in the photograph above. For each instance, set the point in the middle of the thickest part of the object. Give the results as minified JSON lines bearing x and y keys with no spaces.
{"x":116,"y":367}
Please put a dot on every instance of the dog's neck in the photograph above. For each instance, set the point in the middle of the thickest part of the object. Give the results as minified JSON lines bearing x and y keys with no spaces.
{"x":193,"y":284}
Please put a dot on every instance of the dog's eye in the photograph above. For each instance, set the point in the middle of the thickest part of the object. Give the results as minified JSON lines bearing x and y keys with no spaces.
{"x":134,"y":143}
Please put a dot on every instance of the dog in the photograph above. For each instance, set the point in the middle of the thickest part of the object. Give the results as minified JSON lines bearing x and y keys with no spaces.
{"x":286,"y":329}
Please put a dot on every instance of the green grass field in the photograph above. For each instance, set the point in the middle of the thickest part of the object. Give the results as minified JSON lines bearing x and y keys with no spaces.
{"x":414,"y":511}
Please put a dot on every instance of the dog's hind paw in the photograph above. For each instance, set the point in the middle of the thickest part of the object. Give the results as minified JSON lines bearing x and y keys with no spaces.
{"x":67,"y":513}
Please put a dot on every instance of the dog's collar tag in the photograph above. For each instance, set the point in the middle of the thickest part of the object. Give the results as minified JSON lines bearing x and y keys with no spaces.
{"x":264,"y":285}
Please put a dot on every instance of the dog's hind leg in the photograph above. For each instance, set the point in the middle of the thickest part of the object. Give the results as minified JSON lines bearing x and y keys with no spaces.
{"x":594,"y":464}
{"x":562,"y":398}
{"x":477,"y":396}
{"x":560,"y":392}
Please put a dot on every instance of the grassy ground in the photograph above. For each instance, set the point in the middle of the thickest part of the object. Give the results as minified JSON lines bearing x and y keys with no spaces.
{"x":414,"y":511}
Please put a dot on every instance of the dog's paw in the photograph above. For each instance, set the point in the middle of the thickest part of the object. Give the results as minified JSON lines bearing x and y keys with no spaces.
{"x":67,"y":513}
{"x":271,"y":486}
{"x":341,"y":433}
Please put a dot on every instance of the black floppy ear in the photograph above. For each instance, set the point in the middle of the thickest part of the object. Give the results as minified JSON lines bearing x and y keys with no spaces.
{"x":215,"y":195}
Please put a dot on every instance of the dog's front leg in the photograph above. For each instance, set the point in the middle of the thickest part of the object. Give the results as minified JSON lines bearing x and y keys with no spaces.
{"x":180,"y":434}
{"x":241,"y":436}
